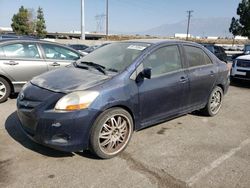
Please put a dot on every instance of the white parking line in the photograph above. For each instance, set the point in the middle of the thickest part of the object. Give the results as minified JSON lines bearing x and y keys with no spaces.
{"x":203,"y":172}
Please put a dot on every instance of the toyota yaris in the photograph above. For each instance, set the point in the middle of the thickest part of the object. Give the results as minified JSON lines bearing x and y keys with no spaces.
{"x":98,"y":101}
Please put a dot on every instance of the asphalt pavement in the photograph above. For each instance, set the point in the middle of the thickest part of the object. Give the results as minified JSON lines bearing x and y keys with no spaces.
{"x":190,"y":151}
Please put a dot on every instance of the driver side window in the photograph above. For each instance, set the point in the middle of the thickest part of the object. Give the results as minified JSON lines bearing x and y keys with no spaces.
{"x":164,"y":60}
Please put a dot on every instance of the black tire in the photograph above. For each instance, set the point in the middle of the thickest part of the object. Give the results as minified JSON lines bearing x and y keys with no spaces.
{"x":104,"y":135}
{"x":4,"y":90}
{"x":209,"y":109}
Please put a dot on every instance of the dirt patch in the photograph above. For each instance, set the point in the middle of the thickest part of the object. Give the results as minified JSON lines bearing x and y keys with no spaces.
{"x":155,"y":176}
{"x":162,"y":131}
{"x":4,"y":171}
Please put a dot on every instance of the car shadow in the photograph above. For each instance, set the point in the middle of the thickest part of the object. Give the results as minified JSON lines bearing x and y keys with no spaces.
{"x":12,"y":125}
{"x":240,"y":83}
{"x":13,"y":95}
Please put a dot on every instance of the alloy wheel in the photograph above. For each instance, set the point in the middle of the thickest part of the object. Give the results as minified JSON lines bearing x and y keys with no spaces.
{"x":2,"y":90}
{"x":215,"y":103}
{"x":114,"y":134}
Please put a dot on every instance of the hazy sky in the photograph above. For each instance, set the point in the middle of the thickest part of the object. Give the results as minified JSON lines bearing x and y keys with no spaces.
{"x":125,"y":15}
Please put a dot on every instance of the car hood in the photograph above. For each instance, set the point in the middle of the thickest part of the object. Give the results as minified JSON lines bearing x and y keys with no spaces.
{"x":66,"y":80}
{"x":244,"y":57}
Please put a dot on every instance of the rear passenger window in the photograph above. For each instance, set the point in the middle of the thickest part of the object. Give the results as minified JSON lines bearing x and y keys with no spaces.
{"x":164,"y":60}
{"x":21,"y":50}
{"x":196,"y":56}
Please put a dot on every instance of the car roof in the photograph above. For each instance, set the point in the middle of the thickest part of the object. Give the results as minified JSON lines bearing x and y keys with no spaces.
{"x":6,"y":41}
{"x":161,"y":41}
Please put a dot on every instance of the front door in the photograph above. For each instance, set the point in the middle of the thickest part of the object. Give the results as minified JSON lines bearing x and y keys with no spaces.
{"x":165,"y":94}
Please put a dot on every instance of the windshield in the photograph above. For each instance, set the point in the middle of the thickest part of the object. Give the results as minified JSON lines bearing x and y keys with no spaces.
{"x":116,"y":56}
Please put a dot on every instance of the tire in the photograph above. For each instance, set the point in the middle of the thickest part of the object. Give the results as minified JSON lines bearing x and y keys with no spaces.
{"x":111,"y":133}
{"x":214,"y":102}
{"x":4,"y":90}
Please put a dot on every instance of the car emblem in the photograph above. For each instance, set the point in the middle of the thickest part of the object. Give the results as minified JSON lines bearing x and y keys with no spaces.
{"x":21,"y":97}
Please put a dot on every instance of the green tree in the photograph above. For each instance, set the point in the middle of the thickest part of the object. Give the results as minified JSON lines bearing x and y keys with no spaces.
{"x":40,"y":23}
{"x":235,"y":28}
{"x":21,"y":23}
{"x":241,"y":26}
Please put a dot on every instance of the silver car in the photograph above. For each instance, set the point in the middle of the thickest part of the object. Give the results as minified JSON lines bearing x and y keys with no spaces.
{"x":23,"y":59}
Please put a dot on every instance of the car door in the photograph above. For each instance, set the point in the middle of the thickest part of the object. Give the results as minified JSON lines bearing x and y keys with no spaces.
{"x":22,"y":61}
{"x":201,"y":73}
{"x":58,"y":56}
{"x":165,"y":93}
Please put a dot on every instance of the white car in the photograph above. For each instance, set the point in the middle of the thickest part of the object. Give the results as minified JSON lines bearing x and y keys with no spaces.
{"x":241,"y":68}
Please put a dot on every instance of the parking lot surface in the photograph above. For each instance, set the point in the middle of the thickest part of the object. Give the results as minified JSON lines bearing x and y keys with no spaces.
{"x":190,"y":151}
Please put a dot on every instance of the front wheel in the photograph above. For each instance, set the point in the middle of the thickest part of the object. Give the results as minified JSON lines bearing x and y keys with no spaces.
{"x":111,"y":133}
{"x":214,"y":102}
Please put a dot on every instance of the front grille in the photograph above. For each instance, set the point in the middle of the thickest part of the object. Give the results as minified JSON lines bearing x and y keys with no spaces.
{"x":28,"y":104}
{"x":243,"y":63}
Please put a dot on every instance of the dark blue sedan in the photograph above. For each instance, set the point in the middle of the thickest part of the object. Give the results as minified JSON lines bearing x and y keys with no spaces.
{"x":97,"y":102}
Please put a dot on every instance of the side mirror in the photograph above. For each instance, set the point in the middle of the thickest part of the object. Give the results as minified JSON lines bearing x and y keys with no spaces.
{"x":145,"y":73}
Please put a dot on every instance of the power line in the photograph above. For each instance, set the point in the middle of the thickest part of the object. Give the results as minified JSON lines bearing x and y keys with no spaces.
{"x":99,"y":22}
{"x":189,"y":17}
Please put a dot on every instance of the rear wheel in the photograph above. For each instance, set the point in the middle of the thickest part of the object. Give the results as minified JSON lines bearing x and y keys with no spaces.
{"x":111,"y":133}
{"x":4,"y":90}
{"x":214,"y":103}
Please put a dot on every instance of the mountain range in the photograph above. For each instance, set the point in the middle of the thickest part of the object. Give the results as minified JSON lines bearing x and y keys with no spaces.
{"x":198,"y":27}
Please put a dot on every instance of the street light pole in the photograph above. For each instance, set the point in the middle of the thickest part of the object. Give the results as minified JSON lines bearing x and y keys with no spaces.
{"x":82,"y":20}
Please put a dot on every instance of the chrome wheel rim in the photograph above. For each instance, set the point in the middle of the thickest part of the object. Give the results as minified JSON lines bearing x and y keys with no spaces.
{"x":215,"y":103}
{"x":2,"y":90}
{"x":114,"y":134}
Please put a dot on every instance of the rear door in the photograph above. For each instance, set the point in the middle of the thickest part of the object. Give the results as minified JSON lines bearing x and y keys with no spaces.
{"x":22,"y":61}
{"x":202,"y":74}
{"x":165,"y":93}
{"x":57,"y":56}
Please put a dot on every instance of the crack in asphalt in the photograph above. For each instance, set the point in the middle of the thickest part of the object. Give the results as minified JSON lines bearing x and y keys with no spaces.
{"x":155,"y":176}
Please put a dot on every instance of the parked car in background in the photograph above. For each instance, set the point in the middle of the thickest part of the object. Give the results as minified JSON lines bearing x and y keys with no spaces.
{"x":92,"y":48}
{"x":23,"y":59}
{"x":101,"y":99}
{"x":218,"y":51}
{"x":241,"y":68}
{"x":78,"y":47}
{"x":246,"y":51}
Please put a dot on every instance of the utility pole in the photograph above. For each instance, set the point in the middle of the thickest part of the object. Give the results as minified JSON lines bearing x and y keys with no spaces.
{"x":189,"y":16}
{"x":82,"y":20}
{"x":107,"y":19}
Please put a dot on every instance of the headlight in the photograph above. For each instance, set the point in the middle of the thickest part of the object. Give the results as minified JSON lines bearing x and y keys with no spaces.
{"x":76,"y":100}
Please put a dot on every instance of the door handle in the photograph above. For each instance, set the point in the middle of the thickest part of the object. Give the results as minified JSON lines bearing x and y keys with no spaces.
{"x":211,"y":73}
{"x":183,"y":79}
{"x":55,"y":64}
{"x":11,"y":63}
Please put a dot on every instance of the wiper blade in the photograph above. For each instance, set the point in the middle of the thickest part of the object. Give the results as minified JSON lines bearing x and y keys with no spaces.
{"x":112,"y":70}
{"x":98,"y":67}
